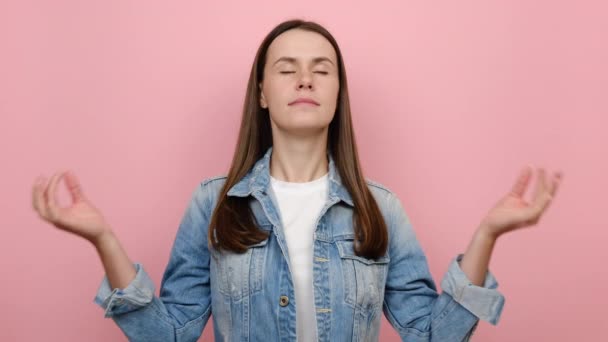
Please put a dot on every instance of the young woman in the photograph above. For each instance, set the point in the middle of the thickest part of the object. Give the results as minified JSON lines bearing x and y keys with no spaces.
{"x":294,"y":243}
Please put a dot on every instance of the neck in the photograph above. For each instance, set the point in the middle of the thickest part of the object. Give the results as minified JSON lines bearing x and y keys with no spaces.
{"x":299,"y":162}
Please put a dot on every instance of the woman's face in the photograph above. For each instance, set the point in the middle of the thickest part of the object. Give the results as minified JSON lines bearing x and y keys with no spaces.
{"x":300,"y":65}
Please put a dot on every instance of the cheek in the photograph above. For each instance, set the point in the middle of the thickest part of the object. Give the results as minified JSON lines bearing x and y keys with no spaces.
{"x":277,"y":92}
{"x":331,"y":91}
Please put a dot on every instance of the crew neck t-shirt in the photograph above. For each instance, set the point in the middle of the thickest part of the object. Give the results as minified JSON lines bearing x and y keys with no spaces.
{"x":300,"y":205}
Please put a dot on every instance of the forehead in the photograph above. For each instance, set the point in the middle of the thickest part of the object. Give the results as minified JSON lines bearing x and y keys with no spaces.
{"x":300,"y":44}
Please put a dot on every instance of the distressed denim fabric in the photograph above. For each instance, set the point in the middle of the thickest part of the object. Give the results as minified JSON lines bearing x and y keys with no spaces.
{"x":251,"y":295}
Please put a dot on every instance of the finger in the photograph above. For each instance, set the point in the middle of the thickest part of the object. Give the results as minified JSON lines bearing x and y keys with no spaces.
{"x":540,"y":201}
{"x":34,"y":188}
{"x":51,"y":195}
{"x":38,"y":197}
{"x":541,"y":185}
{"x":522,"y":182}
{"x":533,"y":213}
{"x":540,"y":204}
{"x":557,"y":178}
{"x":74,"y":187}
{"x":545,"y":198}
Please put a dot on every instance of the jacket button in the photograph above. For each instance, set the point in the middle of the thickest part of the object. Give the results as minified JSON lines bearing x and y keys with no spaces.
{"x":284,"y":301}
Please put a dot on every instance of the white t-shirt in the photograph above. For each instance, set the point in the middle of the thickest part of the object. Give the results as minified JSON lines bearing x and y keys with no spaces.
{"x":300,"y":205}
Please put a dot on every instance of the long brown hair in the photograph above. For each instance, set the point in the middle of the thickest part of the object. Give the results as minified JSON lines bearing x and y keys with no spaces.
{"x":232,"y":225}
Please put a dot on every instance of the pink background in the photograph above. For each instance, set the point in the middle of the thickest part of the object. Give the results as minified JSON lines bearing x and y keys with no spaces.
{"x":142,"y":99}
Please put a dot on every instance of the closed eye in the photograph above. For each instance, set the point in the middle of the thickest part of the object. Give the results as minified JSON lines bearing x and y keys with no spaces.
{"x":318,"y":72}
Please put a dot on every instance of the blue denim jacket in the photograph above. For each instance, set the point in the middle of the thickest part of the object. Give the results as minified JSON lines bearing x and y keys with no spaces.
{"x":251,"y":295}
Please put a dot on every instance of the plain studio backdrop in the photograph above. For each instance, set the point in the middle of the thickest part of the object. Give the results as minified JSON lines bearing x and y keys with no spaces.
{"x":142,"y":99}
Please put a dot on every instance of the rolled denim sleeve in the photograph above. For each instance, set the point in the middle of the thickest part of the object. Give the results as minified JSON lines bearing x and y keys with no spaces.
{"x":485,"y":302}
{"x":412,"y":303}
{"x":181,"y":310}
{"x":137,"y":294}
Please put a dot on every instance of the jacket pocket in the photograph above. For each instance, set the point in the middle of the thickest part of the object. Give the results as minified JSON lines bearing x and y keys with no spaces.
{"x":364,"y":279}
{"x":241,"y":275}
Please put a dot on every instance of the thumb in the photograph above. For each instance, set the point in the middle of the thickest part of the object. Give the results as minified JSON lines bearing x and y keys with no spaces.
{"x":532,"y":214}
{"x":74,"y":186}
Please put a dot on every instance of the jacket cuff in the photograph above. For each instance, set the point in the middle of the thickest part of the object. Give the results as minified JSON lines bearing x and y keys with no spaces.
{"x":484,"y":302}
{"x":137,"y":294}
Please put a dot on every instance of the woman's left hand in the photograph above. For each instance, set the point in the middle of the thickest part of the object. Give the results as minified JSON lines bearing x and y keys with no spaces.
{"x":513,"y":212}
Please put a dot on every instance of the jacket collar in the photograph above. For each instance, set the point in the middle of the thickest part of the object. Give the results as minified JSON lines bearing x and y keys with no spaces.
{"x":258,"y":180}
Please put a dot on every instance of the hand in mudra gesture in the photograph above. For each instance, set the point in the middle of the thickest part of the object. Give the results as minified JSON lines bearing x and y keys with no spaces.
{"x":80,"y":218}
{"x":513,"y":212}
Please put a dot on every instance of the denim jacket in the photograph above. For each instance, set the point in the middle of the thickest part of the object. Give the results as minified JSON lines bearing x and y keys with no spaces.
{"x":251,"y":295}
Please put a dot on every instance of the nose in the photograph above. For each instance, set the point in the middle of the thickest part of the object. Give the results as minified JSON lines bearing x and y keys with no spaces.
{"x":305,"y":81}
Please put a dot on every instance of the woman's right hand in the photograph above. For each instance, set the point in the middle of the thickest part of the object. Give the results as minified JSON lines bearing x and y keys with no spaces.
{"x":81,"y":218}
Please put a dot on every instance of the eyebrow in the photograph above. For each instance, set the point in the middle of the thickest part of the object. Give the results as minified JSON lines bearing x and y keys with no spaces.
{"x":315,"y":60}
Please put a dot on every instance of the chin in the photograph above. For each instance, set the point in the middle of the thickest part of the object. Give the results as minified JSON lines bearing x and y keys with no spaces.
{"x":304,"y":128}
{"x":302,"y":123}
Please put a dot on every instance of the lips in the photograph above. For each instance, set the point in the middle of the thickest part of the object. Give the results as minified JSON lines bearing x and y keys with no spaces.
{"x":304,"y":100}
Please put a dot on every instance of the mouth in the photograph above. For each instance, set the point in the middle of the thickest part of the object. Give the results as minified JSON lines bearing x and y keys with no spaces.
{"x":304,"y":101}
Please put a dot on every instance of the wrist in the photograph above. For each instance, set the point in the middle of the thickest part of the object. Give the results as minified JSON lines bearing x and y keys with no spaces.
{"x":485,"y":233}
{"x":103,"y":239}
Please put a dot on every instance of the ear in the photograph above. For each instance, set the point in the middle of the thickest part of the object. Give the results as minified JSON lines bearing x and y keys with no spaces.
{"x":263,"y":103}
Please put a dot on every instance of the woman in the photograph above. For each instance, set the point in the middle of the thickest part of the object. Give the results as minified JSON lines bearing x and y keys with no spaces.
{"x":294,"y":243}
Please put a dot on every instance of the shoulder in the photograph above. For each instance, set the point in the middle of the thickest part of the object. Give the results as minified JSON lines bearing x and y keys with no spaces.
{"x":217,"y":180}
{"x":206,"y":192}
{"x":377,"y":187}
{"x":382,"y":193}
{"x":389,"y":203}
{"x":386,"y":199}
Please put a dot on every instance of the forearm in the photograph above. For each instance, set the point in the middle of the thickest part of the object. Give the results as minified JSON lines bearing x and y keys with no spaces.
{"x":476,"y":259}
{"x":118,"y":267}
